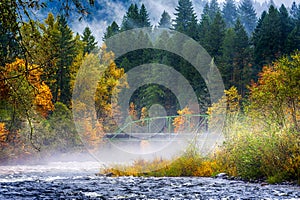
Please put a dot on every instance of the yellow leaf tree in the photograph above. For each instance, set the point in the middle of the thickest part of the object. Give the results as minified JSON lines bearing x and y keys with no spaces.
{"x":276,"y":95}
{"x":111,"y":83}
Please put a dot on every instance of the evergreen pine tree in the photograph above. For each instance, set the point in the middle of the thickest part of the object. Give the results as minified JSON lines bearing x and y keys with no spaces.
{"x":48,"y":49}
{"x":286,"y":27}
{"x":65,"y":54}
{"x":204,"y":29}
{"x":204,"y":26}
{"x":228,"y":53}
{"x":256,"y":40}
{"x":213,"y":9}
{"x":229,"y":13}
{"x":111,"y":30}
{"x":144,"y":20}
{"x":271,"y":3}
{"x":268,"y":41}
{"x":132,"y":18}
{"x":295,"y":12}
{"x":242,"y":58}
{"x":247,"y":16}
{"x":236,"y":58}
{"x":205,"y":11}
{"x":293,"y":40}
{"x":186,"y":20}
{"x":165,"y":20}
{"x":89,"y":40}
{"x":215,"y":37}
{"x":258,"y":29}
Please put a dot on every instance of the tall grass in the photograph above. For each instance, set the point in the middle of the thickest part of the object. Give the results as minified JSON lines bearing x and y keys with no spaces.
{"x":253,"y":149}
{"x":186,"y":165}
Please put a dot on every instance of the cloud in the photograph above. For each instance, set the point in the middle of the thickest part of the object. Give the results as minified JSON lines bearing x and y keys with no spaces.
{"x":156,"y":8}
{"x":115,"y":10}
{"x":98,"y":28}
{"x":100,"y":19}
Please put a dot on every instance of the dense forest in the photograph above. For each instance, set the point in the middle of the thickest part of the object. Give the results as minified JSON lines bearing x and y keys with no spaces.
{"x":256,"y":56}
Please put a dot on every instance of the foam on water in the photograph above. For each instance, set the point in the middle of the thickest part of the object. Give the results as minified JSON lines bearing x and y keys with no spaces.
{"x":47,"y":172}
{"x":89,"y":166}
{"x":88,"y":186}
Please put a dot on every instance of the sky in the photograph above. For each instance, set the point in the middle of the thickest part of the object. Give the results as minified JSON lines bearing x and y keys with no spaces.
{"x":155,"y":7}
{"x":277,"y":2}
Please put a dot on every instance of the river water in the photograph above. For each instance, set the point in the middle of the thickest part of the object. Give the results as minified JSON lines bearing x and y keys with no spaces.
{"x":77,"y":180}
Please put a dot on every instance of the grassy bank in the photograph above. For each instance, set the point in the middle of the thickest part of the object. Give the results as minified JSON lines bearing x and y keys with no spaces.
{"x":186,"y":165}
{"x":271,"y":156}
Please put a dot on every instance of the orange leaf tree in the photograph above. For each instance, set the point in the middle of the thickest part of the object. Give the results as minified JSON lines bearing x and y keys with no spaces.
{"x":26,"y":97}
{"x":26,"y":91}
{"x":181,"y":122}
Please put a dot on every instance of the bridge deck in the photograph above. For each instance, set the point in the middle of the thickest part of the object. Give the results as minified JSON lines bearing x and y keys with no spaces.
{"x":150,"y":136}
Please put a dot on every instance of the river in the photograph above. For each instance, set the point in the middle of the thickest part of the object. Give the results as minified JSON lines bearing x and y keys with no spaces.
{"x":77,"y":180}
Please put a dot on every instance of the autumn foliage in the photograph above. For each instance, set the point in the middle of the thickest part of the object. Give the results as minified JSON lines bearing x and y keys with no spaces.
{"x":3,"y":134}
{"x":181,"y":123}
{"x":276,"y":95}
{"x":262,"y":131}
{"x":29,"y":85}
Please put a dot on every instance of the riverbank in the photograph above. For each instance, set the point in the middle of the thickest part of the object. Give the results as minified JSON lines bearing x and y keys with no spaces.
{"x":76,"y":181}
{"x":185,"y":167}
{"x":230,"y":160}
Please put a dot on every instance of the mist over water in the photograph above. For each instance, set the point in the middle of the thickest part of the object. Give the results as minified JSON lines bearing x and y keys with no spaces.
{"x":107,"y":155}
{"x":72,"y":176}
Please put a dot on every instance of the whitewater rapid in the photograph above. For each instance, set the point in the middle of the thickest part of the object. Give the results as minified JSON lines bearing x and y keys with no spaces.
{"x":78,"y":180}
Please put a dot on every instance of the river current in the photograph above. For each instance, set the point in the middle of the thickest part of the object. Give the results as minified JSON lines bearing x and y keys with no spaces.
{"x":78,"y":180}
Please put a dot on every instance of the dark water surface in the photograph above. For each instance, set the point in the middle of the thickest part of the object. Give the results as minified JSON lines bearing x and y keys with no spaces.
{"x":74,"y":180}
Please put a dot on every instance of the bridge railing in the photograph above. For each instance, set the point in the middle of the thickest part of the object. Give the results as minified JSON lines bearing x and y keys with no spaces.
{"x":163,"y":125}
